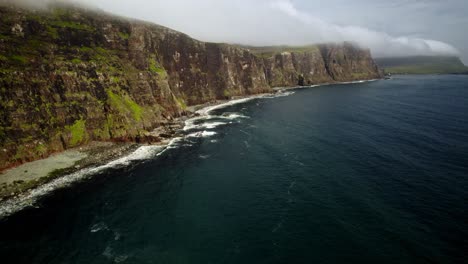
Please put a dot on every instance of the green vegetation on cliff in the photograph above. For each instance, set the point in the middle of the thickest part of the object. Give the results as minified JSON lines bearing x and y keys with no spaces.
{"x":156,"y":68}
{"x":269,"y":51}
{"x":77,"y":132}
{"x":123,"y":103}
{"x":423,"y":65}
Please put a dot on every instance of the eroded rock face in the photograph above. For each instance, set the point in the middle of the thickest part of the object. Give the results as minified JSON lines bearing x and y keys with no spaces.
{"x":69,"y":76}
{"x":320,"y":64}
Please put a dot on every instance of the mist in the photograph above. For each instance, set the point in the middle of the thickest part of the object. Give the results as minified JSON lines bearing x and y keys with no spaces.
{"x":285,"y":22}
{"x":28,"y":3}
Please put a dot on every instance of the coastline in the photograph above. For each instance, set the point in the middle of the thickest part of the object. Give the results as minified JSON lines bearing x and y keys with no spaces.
{"x":30,"y":175}
{"x":86,"y":161}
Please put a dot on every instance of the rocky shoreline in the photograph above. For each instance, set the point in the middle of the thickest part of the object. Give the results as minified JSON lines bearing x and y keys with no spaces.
{"x":99,"y":154}
{"x":92,"y":155}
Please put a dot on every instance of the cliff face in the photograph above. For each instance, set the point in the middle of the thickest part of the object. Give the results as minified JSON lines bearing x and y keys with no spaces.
{"x":69,"y":76}
{"x":297,"y":68}
{"x":289,"y":66}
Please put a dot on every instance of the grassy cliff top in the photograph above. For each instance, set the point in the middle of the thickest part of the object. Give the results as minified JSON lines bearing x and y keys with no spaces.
{"x":423,"y":65}
{"x":269,"y":51}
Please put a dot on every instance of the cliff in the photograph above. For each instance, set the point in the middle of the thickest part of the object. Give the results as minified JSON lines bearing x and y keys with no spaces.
{"x":69,"y":76}
{"x":423,"y":65}
{"x":308,"y":65}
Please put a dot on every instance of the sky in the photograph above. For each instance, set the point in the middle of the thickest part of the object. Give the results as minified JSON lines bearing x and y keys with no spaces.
{"x":388,"y":28}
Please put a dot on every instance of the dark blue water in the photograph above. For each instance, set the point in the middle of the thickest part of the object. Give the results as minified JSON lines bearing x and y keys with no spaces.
{"x":363,"y":173}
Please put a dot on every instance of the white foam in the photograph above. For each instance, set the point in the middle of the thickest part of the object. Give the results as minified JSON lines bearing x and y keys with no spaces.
{"x":285,"y":94}
{"x":213,"y":125}
{"x":202,"y":134}
{"x":282,"y":89}
{"x":29,"y":199}
{"x":190,"y":123}
{"x":99,"y":227}
{"x":208,"y":109}
{"x":233,"y":116}
{"x":190,"y":126}
{"x":117,"y":236}
{"x":201,"y":126}
{"x":142,"y":153}
{"x":355,"y":82}
{"x":197,"y":123}
{"x":281,"y":93}
{"x":111,"y":255}
{"x":173,"y":144}
{"x":108,"y":252}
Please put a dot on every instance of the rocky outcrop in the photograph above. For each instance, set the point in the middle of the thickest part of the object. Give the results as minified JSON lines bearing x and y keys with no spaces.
{"x":69,"y":76}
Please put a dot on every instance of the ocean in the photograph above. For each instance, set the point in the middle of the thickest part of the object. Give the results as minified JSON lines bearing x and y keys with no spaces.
{"x":373,"y":172}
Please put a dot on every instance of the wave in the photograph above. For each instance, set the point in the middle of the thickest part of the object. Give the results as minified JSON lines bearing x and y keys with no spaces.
{"x":143,"y":153}
{"x":202,"y":134}
{"x":99,"y":227}
{"x":110,"y":254}
{"x":282,"y":89}
{"x":280,"y":93}
{"x":12,"y":206}
{"x":213,"y":125}
{"x":355,"y":82}
{"x":205,"y":113}
{"x":232,"y":116}
{"x":208,"y":109}
{"x":200,"y":124}
{"x":173,"y":144}
{"x":283,"y":94}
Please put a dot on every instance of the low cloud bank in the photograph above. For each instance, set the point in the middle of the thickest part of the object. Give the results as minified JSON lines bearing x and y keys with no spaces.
{"x":380,"y":43}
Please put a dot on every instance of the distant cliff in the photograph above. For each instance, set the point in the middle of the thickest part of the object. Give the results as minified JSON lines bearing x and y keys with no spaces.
{"x":69,"y":76}
{"x":423,"y":65}
{"x":287,"y":66}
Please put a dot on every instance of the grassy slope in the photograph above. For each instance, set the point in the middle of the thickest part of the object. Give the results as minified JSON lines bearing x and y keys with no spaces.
{"x":269,"y":51}
{"x":423,"y":65}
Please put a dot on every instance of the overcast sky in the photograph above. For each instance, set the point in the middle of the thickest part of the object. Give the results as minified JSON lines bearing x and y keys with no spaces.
{"x":389,"y":28}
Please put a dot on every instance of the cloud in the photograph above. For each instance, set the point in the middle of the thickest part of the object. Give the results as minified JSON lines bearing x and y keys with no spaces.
{"x":382,"y":44}
{"x":27,"y":3}
{"x":42,"y":4}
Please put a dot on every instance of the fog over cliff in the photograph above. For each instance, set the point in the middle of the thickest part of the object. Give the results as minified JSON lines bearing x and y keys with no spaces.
{"x":399,"y":28}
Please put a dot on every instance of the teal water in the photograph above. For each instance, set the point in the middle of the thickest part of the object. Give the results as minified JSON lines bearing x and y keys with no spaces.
{"x":360,"y":173}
